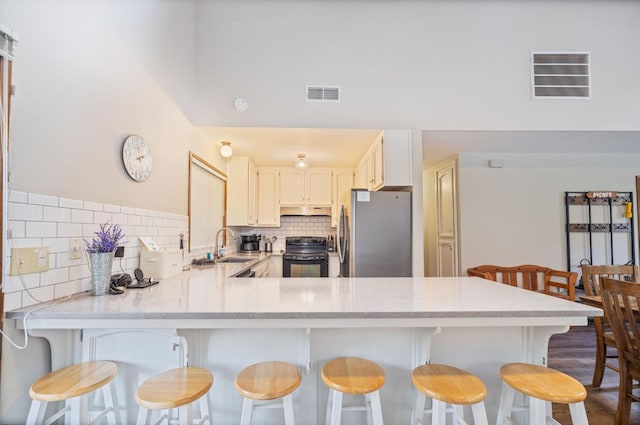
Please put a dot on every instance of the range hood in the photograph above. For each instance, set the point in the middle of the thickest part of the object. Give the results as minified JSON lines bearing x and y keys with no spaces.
{"x":305,"y":211}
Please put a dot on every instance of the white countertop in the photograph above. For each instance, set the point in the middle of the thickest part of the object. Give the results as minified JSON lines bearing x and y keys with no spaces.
{"x":206,"y":294}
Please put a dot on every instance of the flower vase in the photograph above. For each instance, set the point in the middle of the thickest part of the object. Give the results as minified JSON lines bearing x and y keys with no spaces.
{"x":100,"y":265}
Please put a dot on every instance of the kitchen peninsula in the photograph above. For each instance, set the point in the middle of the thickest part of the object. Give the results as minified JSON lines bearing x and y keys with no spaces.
{"x":230,"y":323}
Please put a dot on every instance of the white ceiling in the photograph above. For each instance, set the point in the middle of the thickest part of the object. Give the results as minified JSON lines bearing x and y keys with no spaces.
{"x":344,"y":147}
{"x":279,"y":147}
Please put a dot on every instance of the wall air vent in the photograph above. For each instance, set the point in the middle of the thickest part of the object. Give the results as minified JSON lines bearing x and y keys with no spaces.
{"x":560,"y":75}
{"x":323,"y":93}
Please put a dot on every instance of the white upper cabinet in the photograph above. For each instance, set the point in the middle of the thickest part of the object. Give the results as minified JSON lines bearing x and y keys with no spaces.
{"x":318,"y":187}
{"x":387,"y":163}
{"x":342,"y":182}
{"x":309,"y":187}
{"x":241,"y":192}
{"x":268,"y":197}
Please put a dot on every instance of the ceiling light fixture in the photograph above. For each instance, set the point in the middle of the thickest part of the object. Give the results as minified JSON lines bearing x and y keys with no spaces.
{"x":226,"y":150}
{"x":301,"y":161}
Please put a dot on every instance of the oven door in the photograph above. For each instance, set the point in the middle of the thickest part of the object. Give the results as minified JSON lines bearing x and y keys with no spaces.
{"x":298,"y":266}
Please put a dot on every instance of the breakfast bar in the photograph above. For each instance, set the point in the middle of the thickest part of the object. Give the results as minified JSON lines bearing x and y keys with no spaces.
{"x":230,"y":323}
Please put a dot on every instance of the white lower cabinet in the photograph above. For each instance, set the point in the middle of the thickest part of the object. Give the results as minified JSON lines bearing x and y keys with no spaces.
{"x":334,"y":265}
{"x":275,"y":265}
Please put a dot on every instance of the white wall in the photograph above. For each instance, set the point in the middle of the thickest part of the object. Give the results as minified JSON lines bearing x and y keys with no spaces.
{"x":516,"y":214}
{"x":89,"y":73}
{"x":433,"y":64}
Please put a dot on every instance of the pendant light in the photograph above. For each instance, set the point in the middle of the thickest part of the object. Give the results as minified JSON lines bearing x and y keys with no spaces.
{"x":226,"y":150}
{"x":301,"y":161}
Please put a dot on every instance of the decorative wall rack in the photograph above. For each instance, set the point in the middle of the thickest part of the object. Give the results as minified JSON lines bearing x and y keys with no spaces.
{"x":599,"y":228}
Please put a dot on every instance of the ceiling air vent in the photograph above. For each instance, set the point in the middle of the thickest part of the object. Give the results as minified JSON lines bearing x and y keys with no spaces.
{"x":561,"y":75}
{"x":323,"y":93}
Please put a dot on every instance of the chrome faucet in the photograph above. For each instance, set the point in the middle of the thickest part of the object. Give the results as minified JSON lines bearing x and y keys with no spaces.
{"x":233,"y":235}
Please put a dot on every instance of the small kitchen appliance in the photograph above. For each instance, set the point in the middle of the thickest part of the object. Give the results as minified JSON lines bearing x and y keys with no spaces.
{"x":305,"y":256}
{"x":250,"y":243}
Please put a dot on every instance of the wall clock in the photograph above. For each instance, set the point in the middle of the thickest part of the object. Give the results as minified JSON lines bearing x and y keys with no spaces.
{"x":136,"y":158}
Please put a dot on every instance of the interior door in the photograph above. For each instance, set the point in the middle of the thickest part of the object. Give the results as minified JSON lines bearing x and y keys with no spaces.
{"x":446,"y":221}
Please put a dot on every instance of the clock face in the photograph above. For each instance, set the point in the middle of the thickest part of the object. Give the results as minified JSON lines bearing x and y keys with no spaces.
{"x":136,"y":157}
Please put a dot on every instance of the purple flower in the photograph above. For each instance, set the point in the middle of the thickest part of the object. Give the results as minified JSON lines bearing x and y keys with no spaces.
{"x":106,"y":240}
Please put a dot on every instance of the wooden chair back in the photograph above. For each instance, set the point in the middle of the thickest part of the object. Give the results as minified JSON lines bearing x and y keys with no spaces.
{"x":620,"y":300}
{"x":592,"y":275}
{"x":532,"y":277}
{"x":560,"y":283}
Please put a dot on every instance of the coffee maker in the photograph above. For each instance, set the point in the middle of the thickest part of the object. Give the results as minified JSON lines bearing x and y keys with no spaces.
{"x":250,"y":243}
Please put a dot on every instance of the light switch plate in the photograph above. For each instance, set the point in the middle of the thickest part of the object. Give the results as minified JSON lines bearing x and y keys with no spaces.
{"x":29,"y":260}
{"x":75,"y":249}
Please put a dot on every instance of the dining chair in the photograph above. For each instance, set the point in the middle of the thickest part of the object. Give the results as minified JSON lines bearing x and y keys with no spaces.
{"x":620,"y":300}
{"x":591,"y":280}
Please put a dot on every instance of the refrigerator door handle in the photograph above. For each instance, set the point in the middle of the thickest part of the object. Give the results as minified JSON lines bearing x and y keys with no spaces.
{"x":340,"y":236}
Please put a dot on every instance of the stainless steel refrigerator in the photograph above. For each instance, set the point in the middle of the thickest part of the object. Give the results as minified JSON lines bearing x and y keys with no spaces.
{"x":374,"y":234}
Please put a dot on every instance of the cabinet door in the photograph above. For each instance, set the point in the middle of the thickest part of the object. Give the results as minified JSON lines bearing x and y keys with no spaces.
{"x":252,"y":207}
{"x":342,"y":181}
{"x":268,"y":197}
{"x":378,"y":164}
{"x":240,"y":191}
{"x":291,"y":187}
{"x":275,"y":265}
{"x":362,"y":174}
{"x":318,"y":187}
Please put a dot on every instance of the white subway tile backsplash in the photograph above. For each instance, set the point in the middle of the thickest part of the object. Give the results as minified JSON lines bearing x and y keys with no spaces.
{"x":119,"y":219}
{"x":35,"y":199}
{"x":18,"y":283}
{"x":70,"y":230}
{"x":17,"y":229}
{"x":112,"y":208}
{"x":81,"y":216}
{"x":41,"y":229}
{"x":24,"y":212}
{"x":101,"y":217}
{"x":57,"y":214}
{"x":12,"y":301}
{"x":37,"y":295}
{"x":17,"y":196}
{"x":54,"y":276}
{"x":70,"y":203}
{"x":42,"y":220}
{"x":93,"y":206}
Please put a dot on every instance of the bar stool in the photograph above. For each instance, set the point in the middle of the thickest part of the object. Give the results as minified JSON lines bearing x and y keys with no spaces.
{"x":267,"y":382}
{"x":69,"y":384}
{"x":352,"y":375}
{"x":175,"y":388}
{"x":448,"y":385}
{"x":544,"y":386}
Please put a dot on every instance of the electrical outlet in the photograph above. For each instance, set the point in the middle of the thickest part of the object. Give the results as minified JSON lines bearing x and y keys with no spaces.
{"x":29,"y":260}
{"x":75,"y":249}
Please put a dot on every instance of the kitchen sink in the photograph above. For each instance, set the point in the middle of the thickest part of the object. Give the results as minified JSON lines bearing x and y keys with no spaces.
{"x":233,"y":260}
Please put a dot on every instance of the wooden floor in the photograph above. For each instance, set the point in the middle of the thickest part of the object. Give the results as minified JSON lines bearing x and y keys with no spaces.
{"x":574,"y":354}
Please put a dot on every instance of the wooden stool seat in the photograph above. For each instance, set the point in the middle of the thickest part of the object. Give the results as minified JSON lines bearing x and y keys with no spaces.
{"x":356,"y":376}
{"x":68,"y":384}
{"x":267,"y":382}
{"x":446,"y":384}
{"x":174,"y":388}
{"x":73,"y":381}
{"x":544,"y":386}
{"x":543,"y":383}
{"x":352,"y":375}
{"x":177,"y":388}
